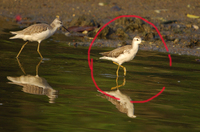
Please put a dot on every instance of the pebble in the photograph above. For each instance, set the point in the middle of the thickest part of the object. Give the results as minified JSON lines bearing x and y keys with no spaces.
{"x":195,"y":27}
{"x":115,"y":8}
{"x":176,"y":41}
{"x":101,"y":4}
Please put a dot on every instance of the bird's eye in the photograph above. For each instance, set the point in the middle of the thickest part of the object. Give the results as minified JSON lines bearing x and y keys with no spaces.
{"x":137,"y":39}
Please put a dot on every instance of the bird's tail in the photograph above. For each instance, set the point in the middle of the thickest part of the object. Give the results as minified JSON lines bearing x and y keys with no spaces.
{"x":16,"y":36}
{"x":104,"y":57}
{"x":108,"y":58}
{"x":13,"y":32}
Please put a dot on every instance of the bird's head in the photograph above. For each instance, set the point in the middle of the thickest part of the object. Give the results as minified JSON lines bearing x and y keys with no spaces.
{"x":137,"y":40}
{"x":57,"y":23}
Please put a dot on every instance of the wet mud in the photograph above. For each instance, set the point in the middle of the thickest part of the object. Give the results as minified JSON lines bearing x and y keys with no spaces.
{"x":84,"y":18}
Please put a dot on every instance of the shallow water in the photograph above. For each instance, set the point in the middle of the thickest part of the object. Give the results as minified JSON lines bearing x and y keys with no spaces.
{"x":72,"y":102}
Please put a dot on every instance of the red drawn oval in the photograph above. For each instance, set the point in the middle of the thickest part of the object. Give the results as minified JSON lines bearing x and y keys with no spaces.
{"x":90,"y":61}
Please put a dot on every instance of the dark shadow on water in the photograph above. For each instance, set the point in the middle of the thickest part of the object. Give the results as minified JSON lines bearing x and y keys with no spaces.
{"x":34,"y":84}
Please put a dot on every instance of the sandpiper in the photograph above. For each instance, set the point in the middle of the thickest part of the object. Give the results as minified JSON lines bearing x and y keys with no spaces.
{"x":122,"y":54}
{"x":37,"y":32}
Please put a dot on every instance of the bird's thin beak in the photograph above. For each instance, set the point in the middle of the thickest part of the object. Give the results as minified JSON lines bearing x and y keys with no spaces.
{"x":142,"y":42}
{"x":65,"y":28}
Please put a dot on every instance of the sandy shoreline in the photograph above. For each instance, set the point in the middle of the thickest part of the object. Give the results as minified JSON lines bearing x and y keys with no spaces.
{"x":103,"y":11}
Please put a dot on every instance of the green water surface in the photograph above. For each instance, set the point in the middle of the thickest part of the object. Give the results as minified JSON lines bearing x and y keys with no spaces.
{"x":78,"y":106}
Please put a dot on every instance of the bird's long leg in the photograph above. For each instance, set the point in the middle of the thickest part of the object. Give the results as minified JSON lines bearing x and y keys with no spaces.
{"x":37,"y":67}
{"x":117,"y":86}
{"x":124,"y":70}
{"x":21,"y":66}
{"x":124,"y":81}
{"x":117,"y":71}
{"x":117,"y":68}
{"x":21,"y":49}
{"x":38,"y":50}
{"x":120,"y":66}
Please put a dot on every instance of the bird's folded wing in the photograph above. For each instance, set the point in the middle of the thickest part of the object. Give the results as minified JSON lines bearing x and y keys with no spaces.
{"x":36,"y":28}
{"x":116,"y":52}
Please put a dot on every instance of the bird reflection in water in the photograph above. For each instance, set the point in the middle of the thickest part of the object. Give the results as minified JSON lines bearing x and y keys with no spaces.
{"x":123,"y":104}
{"x":34,"y":84}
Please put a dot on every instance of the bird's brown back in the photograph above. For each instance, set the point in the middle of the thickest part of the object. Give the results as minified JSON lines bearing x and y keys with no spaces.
{"x":36,"y":28}
{"x":116,"y":52}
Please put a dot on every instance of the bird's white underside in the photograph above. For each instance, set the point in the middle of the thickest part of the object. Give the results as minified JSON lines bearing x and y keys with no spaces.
{"x":36,"y":36}
{"x":39,"y":34}
{"x":127,"y":55}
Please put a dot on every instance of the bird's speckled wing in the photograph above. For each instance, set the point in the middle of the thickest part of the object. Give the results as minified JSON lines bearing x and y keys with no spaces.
{"x":116,"y":52}
{"x":36,"y":28}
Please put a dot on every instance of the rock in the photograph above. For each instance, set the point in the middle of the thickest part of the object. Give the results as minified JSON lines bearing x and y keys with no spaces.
{"x":169,"y":22}
{"x":149,"y":36}
{"x":103,"y":34}
{"x":146,"y":28}
{"x":76,"y":21}
{"x":138,"y":21}
{"x":132,"y":27}
{"x":195,"y":27}
{"x":115,"y":8}
{"x":83,"y":21}
{"x":188,"y":25}
{"x":176,"y":41}
{"x":193,"y":43}
{"x":90,"y":22}
{"x":121,"y":33}
{"x":124,"y":21}
{"x":158,"y":11}
{"x":123,"y":43}
{"x":101,"y":4}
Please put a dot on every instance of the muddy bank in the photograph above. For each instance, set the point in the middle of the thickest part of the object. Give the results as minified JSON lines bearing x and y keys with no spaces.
{"x":180,"y":32}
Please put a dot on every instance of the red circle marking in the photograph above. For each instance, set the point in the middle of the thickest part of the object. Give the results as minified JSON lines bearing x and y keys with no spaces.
{"x":90,"y":61}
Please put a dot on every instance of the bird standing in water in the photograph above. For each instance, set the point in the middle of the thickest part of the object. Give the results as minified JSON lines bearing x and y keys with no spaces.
{"x":37,"y":32}
{"x":123,"y":54}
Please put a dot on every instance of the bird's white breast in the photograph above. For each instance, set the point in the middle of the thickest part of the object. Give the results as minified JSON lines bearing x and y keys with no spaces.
{"x":39,"y":36}
{"x":126,"y":56}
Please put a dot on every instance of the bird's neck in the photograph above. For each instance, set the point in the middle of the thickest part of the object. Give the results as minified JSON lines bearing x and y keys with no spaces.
{"x":53,"y":26}
{"x":135,"y":46}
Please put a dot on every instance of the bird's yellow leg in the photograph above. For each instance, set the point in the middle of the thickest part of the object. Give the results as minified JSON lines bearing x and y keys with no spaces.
{"x":122,"y":67}
{"x":21,"y":49}
{"x":117,"y":71}
{"x":116,"y":87}
{"x":37,"y":67}
{"x":124,"y":81}
{"x":124,"y":70}
{"x":38,"y":50}
{"x":116,"y":84}
{"x":21,"y":66}
{"x":117,"y":68}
